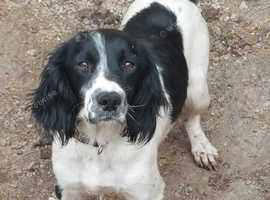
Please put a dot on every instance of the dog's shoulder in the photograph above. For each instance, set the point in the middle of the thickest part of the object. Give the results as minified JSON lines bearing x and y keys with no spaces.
{"x":178,"y":7}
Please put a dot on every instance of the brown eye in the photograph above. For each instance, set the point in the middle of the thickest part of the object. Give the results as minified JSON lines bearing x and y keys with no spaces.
{"x":84,"y":65}
{"x":128,"y":65}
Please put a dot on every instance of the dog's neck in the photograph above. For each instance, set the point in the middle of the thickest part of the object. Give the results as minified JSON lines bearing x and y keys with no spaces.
{"x":99,"y":135}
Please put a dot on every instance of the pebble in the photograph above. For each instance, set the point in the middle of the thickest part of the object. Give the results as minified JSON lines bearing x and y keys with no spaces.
{"x":33,"y":166}
{"x":32,"y":52}
{"x":226,"y":165}
{"x":2,"y":142}
{"x":248,"y":182}
{"x":19,"y":152}
{"x":189,"y":189}
{"x":6,"y":124}
{"x":29,"y":125}
{"x":243,"y":5}
{"x":14,"y":185}
{"x":8,"y":142}
{"x":17,"y":147}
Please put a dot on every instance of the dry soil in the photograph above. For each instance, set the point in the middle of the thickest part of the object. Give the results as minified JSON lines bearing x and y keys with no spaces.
{"x":237,"y":121}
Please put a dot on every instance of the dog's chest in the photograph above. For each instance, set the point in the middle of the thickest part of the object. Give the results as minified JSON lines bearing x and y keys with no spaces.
{"x":118,"y":165}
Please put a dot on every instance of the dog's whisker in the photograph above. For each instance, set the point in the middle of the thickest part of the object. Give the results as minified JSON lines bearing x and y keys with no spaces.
{"x":136,"y":106}
{"x":131,"y":116}
{"x":130,"y":109}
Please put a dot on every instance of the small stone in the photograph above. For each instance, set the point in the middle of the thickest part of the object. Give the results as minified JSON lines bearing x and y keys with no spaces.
{"x":2,"y":142}
{"x":34,"y":29}
{"x":14,"y":185}
{"x":32,"y":52}
{"x":221,"y":99}
{"x":17,"y":147}
{"x":6,"y":124}
{"x":29,"y":125}
{"x":243,"y":5}
{"x":24,"y":143}
{"x":85,"y":21}
{"x":226,"y":165}
{"x":189,"y":189}
{"x":19,"y":152}
{"x":42,"y":165}
{"x":112,"y":20}
{"x":33,"y":166}
{"x":248,"y":182}
{"x":8,"y":142}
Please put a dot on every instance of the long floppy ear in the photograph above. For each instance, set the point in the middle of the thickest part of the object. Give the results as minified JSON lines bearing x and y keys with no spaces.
{"x":54,"y":102}
{"x":145,"y":107}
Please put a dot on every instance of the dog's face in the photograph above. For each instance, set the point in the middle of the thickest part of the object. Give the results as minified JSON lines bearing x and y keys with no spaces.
{"x":104,"y":69}
{"x":103,"y":75}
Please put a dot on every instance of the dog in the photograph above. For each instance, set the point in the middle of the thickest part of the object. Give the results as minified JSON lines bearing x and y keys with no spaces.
{"x":111,"y":96}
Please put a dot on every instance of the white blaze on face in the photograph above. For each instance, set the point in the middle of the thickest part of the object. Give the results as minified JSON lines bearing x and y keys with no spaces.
{"x":100,"y":83}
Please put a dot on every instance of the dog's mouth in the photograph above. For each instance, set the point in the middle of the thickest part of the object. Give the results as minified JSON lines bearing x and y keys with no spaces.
{"x":107,"y":117}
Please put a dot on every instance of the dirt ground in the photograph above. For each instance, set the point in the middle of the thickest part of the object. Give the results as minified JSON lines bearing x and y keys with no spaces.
{"x":237,"y":122}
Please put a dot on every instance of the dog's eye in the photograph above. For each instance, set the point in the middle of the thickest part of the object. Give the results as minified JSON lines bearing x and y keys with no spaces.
{"x":84,"y":65}
{"x":128,"y":65}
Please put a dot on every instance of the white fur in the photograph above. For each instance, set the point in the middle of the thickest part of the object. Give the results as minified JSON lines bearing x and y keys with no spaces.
{"x":129,"y":168}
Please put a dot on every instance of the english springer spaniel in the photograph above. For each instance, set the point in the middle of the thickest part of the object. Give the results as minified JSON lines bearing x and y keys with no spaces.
{"x":111,"y":96}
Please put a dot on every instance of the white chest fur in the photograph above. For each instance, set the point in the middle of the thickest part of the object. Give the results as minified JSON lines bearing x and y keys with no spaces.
{"x":80,"y":163}
{"x":129,"y":169}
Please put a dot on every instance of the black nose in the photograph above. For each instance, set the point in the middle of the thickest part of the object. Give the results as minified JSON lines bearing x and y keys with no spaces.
{"x":109,"y":100}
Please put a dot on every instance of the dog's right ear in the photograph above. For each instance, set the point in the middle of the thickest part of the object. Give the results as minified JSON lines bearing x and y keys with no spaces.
{"x":54,"y":102}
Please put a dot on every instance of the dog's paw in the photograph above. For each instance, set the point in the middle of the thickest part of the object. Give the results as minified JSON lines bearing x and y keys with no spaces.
{"x":205,"y":155}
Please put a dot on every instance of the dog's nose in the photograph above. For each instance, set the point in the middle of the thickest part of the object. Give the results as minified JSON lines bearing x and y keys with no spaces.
{"x":109,"y":100}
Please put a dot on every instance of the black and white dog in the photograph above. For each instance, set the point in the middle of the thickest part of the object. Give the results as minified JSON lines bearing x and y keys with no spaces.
{"x":115,"y":94}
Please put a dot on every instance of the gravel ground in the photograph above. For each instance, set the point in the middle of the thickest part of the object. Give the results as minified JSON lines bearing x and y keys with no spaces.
{"x":237,"y":122}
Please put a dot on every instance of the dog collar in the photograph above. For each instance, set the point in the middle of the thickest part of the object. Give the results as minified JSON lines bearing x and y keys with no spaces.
{"x":85,"y":140}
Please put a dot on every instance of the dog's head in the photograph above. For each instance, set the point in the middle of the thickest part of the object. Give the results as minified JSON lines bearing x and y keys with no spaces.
{"x":103,"y":75}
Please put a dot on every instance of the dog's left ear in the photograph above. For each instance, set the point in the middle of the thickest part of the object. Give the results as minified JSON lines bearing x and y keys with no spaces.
{"x":54,"y":102}
{"x":146,"y":104}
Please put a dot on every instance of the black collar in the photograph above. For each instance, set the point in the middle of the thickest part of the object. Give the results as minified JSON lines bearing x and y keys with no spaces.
{"x":85,"y":140}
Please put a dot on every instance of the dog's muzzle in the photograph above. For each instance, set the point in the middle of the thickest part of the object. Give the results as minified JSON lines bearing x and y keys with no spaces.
{"x":108,"y":106}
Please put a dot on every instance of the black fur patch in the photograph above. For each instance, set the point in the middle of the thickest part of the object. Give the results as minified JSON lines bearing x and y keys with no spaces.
{"x":58,"y":192}
{"x":156,"y":27}
{"x":194,"y":1}
{"x":54,"y":100}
